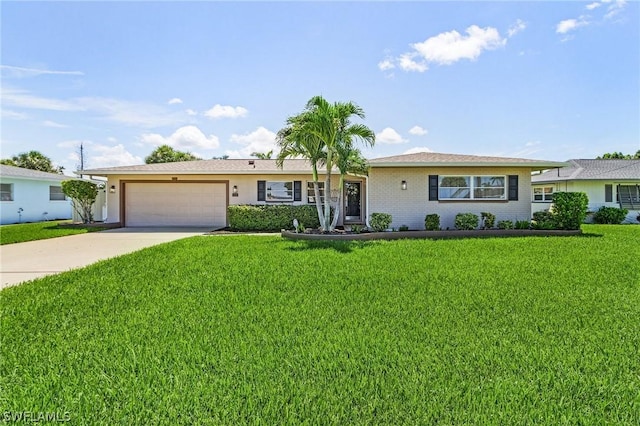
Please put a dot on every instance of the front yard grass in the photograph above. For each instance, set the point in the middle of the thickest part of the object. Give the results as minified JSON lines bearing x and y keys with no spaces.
{"x":261,"y":330}
{"x":22,"y":232}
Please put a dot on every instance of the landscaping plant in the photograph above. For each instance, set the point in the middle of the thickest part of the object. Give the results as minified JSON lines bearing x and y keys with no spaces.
{"x":466,"y":221}
{"x":523,"y":224}
{"x":569,"y":209}
{"x":488,"y":220}
{"x":505,"y":224}
{"x":610,"y":215}
{"x":380,"y":221}
{"x":83,"y":193}
{"x":432,"y":222}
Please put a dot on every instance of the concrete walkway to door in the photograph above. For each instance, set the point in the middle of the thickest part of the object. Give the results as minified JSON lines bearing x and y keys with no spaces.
{"x":34,"y":259}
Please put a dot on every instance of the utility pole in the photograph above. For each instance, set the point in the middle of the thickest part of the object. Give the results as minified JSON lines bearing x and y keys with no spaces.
{"x":81,"y":155}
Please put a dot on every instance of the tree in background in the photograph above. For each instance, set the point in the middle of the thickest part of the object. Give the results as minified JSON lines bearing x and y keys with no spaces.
{"x":33,"y":160}
{"x":166,"y":154}
{"x":83,"y":193}
{"x":619,"y":156}
{"x":263,"y":155}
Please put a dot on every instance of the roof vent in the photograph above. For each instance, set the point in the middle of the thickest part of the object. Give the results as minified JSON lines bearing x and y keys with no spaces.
{"x":252,"y":163}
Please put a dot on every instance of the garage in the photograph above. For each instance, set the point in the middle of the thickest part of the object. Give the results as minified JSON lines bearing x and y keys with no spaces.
{"x":200,"y":204}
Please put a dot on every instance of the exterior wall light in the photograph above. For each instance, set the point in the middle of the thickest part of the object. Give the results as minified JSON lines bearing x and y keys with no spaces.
{"x":234,"y":191}
{"x":403,"y":185}
{"x":112,"y":189}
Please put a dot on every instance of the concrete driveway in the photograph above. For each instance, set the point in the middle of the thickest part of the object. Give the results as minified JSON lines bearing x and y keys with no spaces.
{"x":33,"y":259}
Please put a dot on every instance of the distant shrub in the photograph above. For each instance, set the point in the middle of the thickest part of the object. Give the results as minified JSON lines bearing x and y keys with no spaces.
{"x":523,"y":224}
{"x":543,"y":220}
{"x":466,"y":221}
{"x":569,"y":209}
{"x":271,"y":217}
{"x":432,"y":222}
{"x":610,"y":215}
{"x":488,"y":220}
{"x":403,"y":228}
{"x":505,"y":224}
{"x":356,"y":229}
{"x":380,"y":221}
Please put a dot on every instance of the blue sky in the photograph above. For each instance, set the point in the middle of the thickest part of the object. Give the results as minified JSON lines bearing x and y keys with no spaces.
{"x":542,"y":80}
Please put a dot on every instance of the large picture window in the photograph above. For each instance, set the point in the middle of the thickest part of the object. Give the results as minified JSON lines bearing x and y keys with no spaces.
{"x":542,"y":194}
{"x":311,"y":194}
{"x":56,"y":194}
{"x":279,"y":191}
{"x":472,"y":188}
{"x":6,"y":191}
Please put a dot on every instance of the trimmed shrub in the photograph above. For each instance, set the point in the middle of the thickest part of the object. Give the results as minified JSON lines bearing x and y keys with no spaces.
{"x":380,"y":221}
{"x":569,"y":209}
{"x":610,"y":215}
{"x":403,"y":228}
{"x":523,"y":224}
{"x":432,"y":222}
{"x":543,"y":220}
{"x":488,"y":220}
{"x":505,"y":224}
{"x":271,"y":217}
{"x":466,"y":221}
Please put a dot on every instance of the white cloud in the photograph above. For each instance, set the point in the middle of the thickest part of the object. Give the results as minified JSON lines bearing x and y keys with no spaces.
{"x":417,"y":149}
{"x":260,"y":140}
{"x":20,"y":72}
{"x":593,"y":5}
{"x":49,"y":123}
{"x":517,"y":27}
{"x":110,"y":156}
{"x":418,"y":131}
{"x":226,"y":111}
{"x":185,"y":138}
{"x":567,"y":25}
{"x":386,"y":65}
{"x":449,"y":47}
{"x":12,"y":115}
{"x":615,"y":8}
{"x":140,"y":114}
{"x":389,"y":135}
{"x":191,"y":112}
{"x":174,"y":101}
{"x":407,"y":63}
{"x":23,"y":99}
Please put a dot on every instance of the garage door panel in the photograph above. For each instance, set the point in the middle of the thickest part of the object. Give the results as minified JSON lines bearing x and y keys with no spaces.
{"x":175,"y":204}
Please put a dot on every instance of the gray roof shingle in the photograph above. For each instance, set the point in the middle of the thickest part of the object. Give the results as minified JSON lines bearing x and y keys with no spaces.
{"x":592,"y":170}
{"x":19,"y":172}
{"x":422,"y":159}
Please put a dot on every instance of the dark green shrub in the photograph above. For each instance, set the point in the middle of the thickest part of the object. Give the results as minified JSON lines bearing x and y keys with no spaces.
{"x":488,"y":220}
{"x":466,"y":221}
{"x":505,"y":224}
{"x":403,"y":228}
{"x":523,"y":224}
{"x":432,"y":222}
{"x":271,"y":217}
{"x":569,"y":209}
{"x":380,"y":221}
{"x":356,"y":229}
{"x":610,"y":215}
{"x":543,"y":220}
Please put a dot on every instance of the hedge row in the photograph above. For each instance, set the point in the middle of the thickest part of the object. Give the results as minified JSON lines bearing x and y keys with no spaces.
{"x":271,"y":217}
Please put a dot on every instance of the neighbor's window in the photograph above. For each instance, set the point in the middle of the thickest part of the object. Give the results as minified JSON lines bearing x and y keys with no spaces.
{"x":6,"y":191}
{"x":543,"y":194}
{"x":311,"y":194}
{"x":279,"y":191}
{"x":56,"y":194}
{"x":472,"y":187}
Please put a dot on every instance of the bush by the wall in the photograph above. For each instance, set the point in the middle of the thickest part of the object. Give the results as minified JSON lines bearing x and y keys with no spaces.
{"x":271,"y":217}
{"x":488,"y":220}
{"x":432,"y":222}
{"x":466,"y":221}
{"x":543,"y":220}
{"x":505,"y":224}
{"x":380,"y":221}
{"x":569,"y":209}
{"x":610,"y":215}
{"x":523,"y":224}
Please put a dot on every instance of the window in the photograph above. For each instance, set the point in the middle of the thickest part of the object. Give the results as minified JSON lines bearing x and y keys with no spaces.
{"x":311,"y":195}
{"x":6,"y":191}
{"x":472,"y":188}
{"x":279,"y":191}
{"x":56,"y":194}
{"x":542,"y":194}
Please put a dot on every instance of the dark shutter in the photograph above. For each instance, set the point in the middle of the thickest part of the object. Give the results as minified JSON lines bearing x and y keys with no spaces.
{"x":608,"y":193}
{"x":433,"y":187}
{"x":297,"y":190}
{"x":513,"y":187}
{"x":262,"y":193}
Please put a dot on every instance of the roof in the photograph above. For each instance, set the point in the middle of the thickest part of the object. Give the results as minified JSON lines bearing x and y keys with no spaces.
{"x":592,"y":170}
{"x":21,"y":173}
{"x":226,"y":167}
{"x":434,"y":159}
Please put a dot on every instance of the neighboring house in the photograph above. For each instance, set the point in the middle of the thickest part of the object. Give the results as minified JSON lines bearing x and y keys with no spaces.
{"x":611,"y":183}
{"x":197,"y":193}
{"x":31,"y":196}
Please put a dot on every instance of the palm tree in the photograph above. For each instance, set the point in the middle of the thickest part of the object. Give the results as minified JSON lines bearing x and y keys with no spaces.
{"x":350,"y":161}
{"x":262,"y":155}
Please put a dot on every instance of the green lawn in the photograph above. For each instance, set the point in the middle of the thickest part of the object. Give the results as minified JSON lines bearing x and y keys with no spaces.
{"x":22,"y":232}
{"x":261,"y":330}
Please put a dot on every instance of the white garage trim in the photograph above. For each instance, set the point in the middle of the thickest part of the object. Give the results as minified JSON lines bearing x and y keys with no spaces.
{"x":174,"y":203}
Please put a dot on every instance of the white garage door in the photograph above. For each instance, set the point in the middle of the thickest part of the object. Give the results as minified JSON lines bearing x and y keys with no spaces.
{"x":176,"y":204}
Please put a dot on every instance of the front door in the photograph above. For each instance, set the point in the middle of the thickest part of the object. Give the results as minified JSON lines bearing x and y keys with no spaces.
{"x":353,"y":202}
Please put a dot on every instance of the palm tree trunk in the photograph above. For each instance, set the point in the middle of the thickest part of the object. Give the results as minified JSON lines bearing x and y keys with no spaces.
{"x":336,"y":213}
